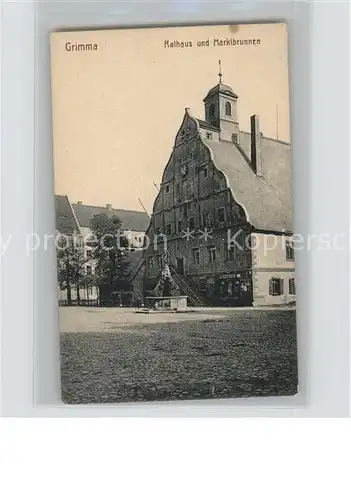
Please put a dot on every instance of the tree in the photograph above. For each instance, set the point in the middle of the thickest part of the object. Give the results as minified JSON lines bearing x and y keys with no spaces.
{"x":70,"y":265}
{"x":110,"y":249}
{"x":88,"y":281}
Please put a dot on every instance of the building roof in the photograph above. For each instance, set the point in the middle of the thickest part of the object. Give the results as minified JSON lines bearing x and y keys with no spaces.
{"x":131,"y":220}
{"x":66,"y":222}
{"x":207,"y":125}
{"x":223,"y":89}
{"x":265,"y":207}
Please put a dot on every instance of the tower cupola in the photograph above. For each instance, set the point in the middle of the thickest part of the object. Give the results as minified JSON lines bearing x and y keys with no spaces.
{"x":221,"y":109}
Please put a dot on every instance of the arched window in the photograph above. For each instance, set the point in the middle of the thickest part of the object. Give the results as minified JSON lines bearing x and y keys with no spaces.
{"x":212,"y":110}
{"x":228,"y":109}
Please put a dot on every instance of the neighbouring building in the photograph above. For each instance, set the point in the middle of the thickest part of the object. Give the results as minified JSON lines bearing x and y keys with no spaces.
{"x":224,"y":211}
{"x":73,"y":221}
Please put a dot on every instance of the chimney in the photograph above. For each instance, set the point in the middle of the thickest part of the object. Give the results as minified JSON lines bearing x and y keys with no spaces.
{"x":109,"y":206}
{"x":79,"y":202}
{"x":256,"y":161}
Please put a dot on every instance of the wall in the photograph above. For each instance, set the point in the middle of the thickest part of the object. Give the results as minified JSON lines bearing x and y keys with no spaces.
{"x":229,"y":124}
{"x":193,"y":191}
{"x":269,"y":261}
{"x":136,"y":238}
{"x":261,"y":283}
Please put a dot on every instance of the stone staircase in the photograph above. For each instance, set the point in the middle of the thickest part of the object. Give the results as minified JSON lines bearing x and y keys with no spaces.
{"x":194,"y":297}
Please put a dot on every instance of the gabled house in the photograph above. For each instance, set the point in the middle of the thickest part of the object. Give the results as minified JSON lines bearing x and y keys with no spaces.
{"x":224,"y":210}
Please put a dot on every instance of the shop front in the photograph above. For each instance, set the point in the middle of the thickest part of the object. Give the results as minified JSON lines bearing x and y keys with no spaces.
{"x":230,"y":289}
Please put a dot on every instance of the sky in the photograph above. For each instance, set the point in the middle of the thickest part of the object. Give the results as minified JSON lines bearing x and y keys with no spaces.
{"x":116,"y":110}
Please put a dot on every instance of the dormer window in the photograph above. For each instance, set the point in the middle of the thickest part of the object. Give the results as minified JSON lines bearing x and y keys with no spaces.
{"x":167,"y":188}
{"x":228,"y":109}
{"x":235,"y":137}
{"x":208,"y":135}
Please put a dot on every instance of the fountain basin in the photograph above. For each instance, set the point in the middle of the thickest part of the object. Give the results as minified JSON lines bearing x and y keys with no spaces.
{"x":166,"y":304}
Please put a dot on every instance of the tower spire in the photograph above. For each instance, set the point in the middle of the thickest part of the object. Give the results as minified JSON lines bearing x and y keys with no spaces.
{"x":220,"y":71}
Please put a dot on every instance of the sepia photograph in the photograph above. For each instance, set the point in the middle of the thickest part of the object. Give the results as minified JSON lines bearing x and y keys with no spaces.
{"x":174,"y":213}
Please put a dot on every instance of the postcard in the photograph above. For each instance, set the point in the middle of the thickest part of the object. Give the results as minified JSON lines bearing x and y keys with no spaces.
{"x":174,"y":231}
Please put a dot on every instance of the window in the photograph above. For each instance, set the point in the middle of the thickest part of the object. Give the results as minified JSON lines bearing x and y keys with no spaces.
{"x":212,"y":254}
{"x":231,"y":253}
{"x":89,"y":254}
{"x":196,"y":256}
{"x":179,"y":226}
{"x":276,"y":286}
{"x":191,"y":224}
{"x":167,"y":188}
{"x":221,"y":215}
{"x":177,"y":189}
{"x":206,"y":220}
{"x":158,"y":230}
{"x":89,"y":271}
{"x":185,"y":210}
{"x":292,"y":289}
{"x":169,"y":229}
{"x":208,"y":135}
{"x":211,"y":110}
{"x":182,"y":134}
{"x":234,"y":137}
{"x":289,"y":250}
{"x":228,"y":109}
{"x":205,"y":173}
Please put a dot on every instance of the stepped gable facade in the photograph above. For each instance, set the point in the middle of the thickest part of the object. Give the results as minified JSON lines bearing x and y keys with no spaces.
{"x":224,"y":191}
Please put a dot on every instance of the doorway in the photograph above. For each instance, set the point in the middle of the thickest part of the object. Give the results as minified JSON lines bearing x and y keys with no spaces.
{"x":180,"y":266}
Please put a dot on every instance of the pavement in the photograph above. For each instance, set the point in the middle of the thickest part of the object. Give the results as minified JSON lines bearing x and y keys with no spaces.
{"x":101,"y":319}
{"x":107,"y":319}
{"x":115,"y":355}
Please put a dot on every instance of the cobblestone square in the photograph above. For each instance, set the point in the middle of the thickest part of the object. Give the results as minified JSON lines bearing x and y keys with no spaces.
{"x":112,"y":355}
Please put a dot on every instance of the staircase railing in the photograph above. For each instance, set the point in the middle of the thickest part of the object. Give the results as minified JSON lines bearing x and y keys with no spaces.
{"x":194,"y":297}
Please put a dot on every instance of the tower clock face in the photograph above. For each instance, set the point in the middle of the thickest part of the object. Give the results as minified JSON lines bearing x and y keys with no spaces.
{"x":184,"y":170}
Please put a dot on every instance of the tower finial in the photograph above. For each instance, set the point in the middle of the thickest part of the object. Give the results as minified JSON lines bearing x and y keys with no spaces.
{"x":220,"y":71}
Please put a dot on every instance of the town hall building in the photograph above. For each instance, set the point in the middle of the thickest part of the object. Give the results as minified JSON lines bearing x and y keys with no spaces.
{"x":223,"y":214}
